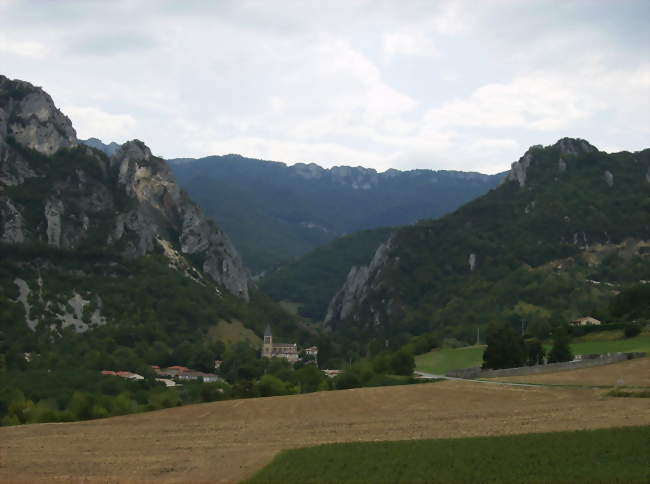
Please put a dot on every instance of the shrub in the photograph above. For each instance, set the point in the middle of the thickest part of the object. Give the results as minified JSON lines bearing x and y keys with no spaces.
{"x":631,"y":330}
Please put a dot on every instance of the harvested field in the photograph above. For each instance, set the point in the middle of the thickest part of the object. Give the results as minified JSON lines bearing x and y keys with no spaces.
{"x":629,"y":373}
{"x":228,"y":441}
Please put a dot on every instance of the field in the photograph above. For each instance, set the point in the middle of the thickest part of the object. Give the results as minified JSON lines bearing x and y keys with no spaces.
{"x":440,"y":361}
{"x":228,"y":441}
{"x":629,"y":373}
{"x":588,"y":456}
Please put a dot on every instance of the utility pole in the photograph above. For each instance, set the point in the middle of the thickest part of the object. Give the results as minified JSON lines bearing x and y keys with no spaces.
{"x":478,"y":336}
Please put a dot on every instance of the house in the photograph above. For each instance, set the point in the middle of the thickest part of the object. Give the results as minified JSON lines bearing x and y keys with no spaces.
{"x":123,"y":374}
{"x":332,"y":373}
{"x":289,"y":351}
{"x":187,"y":374}
{"x":586,"y":321}
{"x":312,"y":352}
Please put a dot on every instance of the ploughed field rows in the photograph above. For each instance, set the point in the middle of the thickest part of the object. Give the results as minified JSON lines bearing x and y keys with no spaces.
{"x":627,"y":373}
{"x":228,"y":441}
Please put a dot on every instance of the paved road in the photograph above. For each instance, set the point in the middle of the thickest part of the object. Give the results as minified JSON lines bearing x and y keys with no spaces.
{"x":431,"y":376}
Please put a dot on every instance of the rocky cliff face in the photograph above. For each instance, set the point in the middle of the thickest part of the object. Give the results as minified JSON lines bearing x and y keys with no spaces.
{"x":360,"y":283}
{"x":57,"y":192}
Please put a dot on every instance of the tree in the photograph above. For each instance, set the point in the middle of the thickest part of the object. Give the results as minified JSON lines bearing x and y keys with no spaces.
{"x":560,"y":350}
{"x":505,"y":348}
{"x":402,"y":363}
{"x":534,"y":352}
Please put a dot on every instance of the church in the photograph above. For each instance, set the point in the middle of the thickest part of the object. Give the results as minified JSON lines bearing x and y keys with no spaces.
{"x":289,"y":351}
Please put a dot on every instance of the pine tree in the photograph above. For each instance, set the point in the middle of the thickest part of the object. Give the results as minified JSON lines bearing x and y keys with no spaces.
{"x":561,"y":350}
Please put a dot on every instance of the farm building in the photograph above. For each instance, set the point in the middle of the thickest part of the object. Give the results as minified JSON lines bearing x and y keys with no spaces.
{"x":586,"y":321}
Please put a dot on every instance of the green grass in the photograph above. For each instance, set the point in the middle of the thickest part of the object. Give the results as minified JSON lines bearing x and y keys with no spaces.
{"x":617,"y":455}
{"x":639,"y":343}
{"x":440,"y":361}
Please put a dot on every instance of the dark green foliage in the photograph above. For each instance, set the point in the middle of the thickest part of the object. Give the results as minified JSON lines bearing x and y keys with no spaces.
{"x":313,"y":279}
{"x":505,"y":348}
{"x":632,"y":304}
{"x":529,"y":243}
{"x":535,"y":352}
{"x":616,"y":455}
{"x":631,"y":330}
{"x":76,"y":394}
{"x":250,"y":197}
{"x":402,"y":363}
{"x":561,"y":351}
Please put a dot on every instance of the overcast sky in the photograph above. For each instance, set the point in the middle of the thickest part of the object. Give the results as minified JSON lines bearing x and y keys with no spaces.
{"x":465,"y":85}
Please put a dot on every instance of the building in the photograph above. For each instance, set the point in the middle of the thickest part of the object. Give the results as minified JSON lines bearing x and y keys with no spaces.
{"x":289,"y":351}
{"x":184,"y":373}
{"x":586,"y":321}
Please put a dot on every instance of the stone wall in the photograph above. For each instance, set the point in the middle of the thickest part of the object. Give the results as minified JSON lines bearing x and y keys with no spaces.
{"x":586,"y":362}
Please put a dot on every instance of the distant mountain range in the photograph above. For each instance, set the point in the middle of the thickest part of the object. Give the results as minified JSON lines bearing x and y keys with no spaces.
{"x":275,"y":212}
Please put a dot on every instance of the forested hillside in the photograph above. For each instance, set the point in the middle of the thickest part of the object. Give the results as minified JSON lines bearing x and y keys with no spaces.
{"x":312,"y":279}
{"x":568,"y":229}
{"x":274,"y":212}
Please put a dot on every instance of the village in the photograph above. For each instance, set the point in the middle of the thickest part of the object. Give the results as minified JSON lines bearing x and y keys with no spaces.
{"x":175,"y":375}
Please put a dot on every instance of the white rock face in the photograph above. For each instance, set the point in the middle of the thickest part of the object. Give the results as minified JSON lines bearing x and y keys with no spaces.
{"x":472,"y":262}
{"x":357,"y":287}
{"x":32,"y":119}
{"x":53,"y":212}
{"x":609,"y":178}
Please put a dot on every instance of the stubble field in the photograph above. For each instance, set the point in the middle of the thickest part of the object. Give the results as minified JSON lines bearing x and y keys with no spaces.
{"x":228,"y":441}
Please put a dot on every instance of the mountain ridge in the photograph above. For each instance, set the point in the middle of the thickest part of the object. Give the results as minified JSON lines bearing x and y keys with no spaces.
{"x":567,"y":202}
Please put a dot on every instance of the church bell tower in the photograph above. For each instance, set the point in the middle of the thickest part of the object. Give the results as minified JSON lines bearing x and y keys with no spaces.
{"x":267,"y":347}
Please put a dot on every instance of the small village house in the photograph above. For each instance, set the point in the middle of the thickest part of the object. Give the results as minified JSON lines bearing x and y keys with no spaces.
{"x":586,"y":321}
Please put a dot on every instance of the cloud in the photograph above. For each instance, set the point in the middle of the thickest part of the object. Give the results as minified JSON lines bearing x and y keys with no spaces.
{"x":91,"y":122}
{"x":25,"y":48}
{"x":410,"y":84}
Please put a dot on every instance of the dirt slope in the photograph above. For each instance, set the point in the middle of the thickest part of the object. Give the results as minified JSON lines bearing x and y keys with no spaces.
{"x":227,"y":441}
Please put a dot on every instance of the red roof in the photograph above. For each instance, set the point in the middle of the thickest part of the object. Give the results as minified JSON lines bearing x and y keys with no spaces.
{"x":179,"y":368}
{"x":108,"y":372}
{"x":155,"y":367}
{"x":123,"y":373}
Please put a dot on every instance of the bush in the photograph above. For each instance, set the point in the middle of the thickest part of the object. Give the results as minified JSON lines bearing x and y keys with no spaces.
{"x":631,"y":330}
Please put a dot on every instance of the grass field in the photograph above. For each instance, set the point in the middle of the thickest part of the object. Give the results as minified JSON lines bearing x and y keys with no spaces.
{"x":617,"y":455}
{"x":440,"y":361}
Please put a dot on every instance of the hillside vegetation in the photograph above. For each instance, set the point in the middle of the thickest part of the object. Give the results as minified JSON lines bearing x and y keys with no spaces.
{"x":555,"y":245}
{"x":312,"y":279}
{"x":275,"y":212}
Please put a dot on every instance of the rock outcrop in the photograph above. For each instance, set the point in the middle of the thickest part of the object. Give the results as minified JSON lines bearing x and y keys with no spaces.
{"x":361,"y":281}
{"x":566,"y":147}
{"x":56,"y":191}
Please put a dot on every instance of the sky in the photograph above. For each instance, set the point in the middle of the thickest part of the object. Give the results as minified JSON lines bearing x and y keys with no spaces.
{"x":446,"y":84}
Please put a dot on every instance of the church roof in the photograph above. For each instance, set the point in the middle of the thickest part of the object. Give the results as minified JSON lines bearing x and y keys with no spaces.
{"x":267,"y":331}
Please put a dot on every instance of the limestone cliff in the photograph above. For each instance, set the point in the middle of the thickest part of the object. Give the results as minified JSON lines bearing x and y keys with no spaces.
{"x":55,"y":191}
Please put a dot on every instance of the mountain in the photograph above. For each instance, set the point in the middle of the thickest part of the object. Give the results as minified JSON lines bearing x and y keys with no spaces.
{"x":567,"y":229}
{"x":110,"y":149}
{"x":300,"y":207}
{"x":105,"y":259}
{"x":311,"y":280}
